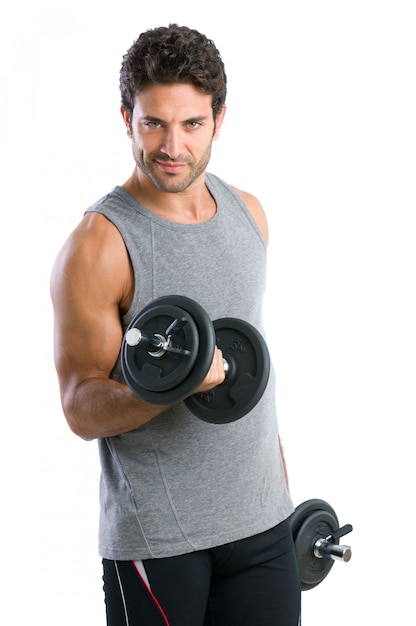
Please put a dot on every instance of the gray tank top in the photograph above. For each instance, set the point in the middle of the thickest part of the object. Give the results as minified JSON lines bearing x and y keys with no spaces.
{"x":178,"y":484}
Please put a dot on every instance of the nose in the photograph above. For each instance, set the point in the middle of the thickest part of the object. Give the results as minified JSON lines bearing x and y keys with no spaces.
{"x":172,"y":143}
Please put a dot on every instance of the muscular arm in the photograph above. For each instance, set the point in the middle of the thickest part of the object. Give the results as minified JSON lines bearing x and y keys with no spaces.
{"x":91,"y":287}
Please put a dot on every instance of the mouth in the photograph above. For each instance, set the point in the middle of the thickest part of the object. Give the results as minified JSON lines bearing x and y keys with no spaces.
{"x":171,"y":167}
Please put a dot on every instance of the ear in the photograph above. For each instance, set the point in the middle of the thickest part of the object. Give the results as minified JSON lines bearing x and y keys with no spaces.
{"x":218,"y":122}
{"x":127,"y":120}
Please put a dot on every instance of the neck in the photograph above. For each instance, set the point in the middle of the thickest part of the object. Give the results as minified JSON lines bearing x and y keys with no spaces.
{"x":194,"y":205}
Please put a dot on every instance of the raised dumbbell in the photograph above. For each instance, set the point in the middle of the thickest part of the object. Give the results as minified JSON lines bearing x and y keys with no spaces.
{"x":316,"y":534}
{"x":168,"y":349}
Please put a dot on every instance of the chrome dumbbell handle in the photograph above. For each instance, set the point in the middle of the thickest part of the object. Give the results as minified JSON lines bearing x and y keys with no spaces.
{"x":135,"y":336}
{"x":323,"y":548}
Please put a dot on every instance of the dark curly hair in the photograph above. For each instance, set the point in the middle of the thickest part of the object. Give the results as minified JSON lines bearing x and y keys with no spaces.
{"x":173,"y":54}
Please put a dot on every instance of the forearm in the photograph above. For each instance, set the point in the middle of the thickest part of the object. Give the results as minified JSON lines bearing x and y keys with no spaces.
{"x":101,"y":407}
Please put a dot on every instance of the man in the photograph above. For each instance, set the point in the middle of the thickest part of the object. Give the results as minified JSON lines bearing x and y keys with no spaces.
{"x":193,"y":523}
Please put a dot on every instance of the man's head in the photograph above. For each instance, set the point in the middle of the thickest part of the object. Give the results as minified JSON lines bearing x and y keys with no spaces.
{"x":169,"y":55}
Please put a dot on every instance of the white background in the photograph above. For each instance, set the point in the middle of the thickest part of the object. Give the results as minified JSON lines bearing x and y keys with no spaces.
{"x":321,"y":127}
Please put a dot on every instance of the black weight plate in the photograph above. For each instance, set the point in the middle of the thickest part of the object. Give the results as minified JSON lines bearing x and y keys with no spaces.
{"x":312,"y":569}
{"x":248,"y":358}
{"x":304,"y":509}
{"x":201,"y":357}
{"x":161,"y":373}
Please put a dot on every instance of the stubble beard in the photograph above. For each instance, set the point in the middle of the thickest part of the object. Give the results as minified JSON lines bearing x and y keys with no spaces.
{"x":171,"y":183}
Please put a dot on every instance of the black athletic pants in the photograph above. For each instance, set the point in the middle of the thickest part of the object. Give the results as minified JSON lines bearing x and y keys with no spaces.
{"x":252,"y":582}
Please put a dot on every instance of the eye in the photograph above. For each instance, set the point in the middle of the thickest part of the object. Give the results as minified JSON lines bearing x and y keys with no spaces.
{"x":193,"y":124}
{"x":152,"y":124}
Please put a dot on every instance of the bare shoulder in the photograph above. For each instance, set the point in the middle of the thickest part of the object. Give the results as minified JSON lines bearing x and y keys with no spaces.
{"x":93,"y":261}
{"x":256,"y":209}
{"x":90,"y":286}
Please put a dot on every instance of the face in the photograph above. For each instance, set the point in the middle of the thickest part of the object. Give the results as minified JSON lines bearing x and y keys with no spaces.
{"x":172,"y":129}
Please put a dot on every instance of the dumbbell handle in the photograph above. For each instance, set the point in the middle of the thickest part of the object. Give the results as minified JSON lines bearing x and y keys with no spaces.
{"x":134,"y":337}
{"x":324,"y":548}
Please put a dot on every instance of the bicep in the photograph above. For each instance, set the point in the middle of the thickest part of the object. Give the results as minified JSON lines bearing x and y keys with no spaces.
{"x":87,"y":327}
{"x":86,"y":341}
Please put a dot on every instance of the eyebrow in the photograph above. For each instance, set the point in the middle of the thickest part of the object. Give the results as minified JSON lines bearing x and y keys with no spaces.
{"x":196,"y":118}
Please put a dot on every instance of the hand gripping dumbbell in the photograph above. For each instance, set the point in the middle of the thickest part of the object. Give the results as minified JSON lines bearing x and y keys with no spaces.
{"x":316,"y":534}
{"x":168,"y":349}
